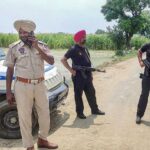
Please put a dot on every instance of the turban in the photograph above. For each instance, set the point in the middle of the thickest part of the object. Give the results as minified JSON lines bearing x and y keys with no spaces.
{"x":26,"y":25}
{"x":79,"y":35}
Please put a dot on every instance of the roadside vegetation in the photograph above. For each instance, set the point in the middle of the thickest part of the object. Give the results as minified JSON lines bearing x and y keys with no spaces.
{"x":106,"y":41}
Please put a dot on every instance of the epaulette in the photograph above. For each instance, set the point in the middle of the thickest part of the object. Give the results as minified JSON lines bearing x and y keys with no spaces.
{"x":14,"y":44}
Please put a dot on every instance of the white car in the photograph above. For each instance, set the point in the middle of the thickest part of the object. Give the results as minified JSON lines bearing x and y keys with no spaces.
{"x":57,"y":91}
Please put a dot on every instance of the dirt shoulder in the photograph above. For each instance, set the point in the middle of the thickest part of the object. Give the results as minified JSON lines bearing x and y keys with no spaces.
{"x":117,"y":93}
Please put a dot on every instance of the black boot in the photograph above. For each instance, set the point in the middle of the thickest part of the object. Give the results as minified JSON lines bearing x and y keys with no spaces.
{"x":98,"y":112}
{"x":138,"y":120}
{"x":81,"y":116}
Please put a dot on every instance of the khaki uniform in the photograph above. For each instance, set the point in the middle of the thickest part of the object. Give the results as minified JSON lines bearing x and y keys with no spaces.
{"x":29,"y":64}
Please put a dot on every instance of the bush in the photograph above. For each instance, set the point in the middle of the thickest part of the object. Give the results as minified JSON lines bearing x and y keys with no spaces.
{"x":100,"y":42}
{"x":6,"y":39}
{"x":137,"y":41}
{"x":58,"y":40}
{"x":119,"y":53}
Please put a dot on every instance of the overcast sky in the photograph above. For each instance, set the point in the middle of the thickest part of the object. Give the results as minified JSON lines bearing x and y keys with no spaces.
{"x":52,"y":16}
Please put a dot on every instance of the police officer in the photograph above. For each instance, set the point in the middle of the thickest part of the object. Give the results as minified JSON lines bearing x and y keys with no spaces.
{"x":80,"y":56}
{"x":27,"y":56}
{"x":145,"y":83}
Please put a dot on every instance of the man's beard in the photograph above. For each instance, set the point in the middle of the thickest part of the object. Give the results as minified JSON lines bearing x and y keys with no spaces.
{"x":83,"y":42}
{"x":26,"y":41}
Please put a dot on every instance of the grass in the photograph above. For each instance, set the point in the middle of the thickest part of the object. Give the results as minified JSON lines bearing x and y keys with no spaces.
{"x":128,"y":55}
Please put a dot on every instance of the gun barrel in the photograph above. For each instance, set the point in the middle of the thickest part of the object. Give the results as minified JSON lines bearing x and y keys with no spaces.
{"x":76,"y":67}
{"x":101,"y":70}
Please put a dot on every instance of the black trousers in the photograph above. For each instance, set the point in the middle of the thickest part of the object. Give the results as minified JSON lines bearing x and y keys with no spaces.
{"x":144,"y":96}
{"x":81,"y":84}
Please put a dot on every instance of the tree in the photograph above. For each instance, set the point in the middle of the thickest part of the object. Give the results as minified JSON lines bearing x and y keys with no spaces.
{"x":128,"y":15}
{"x":99,"y":31}
{"x":145,"y":31}
{"x":118,"y":38}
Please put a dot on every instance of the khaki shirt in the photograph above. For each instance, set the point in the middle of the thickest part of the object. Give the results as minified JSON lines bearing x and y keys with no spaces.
{"x":27,"y":61}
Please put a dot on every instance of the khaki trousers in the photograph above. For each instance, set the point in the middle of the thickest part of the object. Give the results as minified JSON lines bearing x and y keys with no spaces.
{"x":25,"y":94}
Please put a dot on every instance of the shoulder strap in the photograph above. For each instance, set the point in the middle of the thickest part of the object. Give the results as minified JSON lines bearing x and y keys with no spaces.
{"x":88,"y":55}
{"x":86,"y":50}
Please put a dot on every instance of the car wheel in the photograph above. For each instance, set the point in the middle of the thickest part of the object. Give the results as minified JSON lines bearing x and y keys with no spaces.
{"x":9,"y":122}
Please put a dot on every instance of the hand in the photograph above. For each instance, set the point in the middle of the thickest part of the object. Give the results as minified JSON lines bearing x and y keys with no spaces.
{"x":10,"y":98}
{"x":73,"y":72}
{"x":142,"y":64}
{"x":34,"y":41}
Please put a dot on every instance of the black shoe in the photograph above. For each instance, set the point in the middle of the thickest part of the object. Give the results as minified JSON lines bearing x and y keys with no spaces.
{"x":98,"y":112}
{"x":138,"y":120}
{"x":81,"y":116}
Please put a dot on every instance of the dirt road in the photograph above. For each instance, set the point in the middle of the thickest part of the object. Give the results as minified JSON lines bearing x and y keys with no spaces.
{"x":118,"y":91}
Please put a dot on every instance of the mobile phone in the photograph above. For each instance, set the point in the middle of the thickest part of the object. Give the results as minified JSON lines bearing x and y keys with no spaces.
{"x":29,"y":42}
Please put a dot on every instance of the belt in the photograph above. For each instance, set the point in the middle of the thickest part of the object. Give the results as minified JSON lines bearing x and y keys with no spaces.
{"x":31,"y":81}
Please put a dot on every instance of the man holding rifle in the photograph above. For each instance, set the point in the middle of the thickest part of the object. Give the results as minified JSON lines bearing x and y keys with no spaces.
{"x":81,"y":74}
{"x":145,"y":81}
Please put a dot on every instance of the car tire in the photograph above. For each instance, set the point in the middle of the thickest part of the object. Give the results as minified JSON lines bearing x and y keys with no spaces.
{"x":9,"y":123}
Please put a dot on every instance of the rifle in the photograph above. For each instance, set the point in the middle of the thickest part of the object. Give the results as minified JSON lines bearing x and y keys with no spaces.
{"x":146,"y":63}
{"x":83,"y":69}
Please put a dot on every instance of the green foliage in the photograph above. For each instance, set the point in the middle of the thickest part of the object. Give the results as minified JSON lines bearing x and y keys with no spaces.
{"x":119,"y":52}
{"x":128,"y":15}
{"x":57,"y":40}
{"x":100,"y":42}
{"x":65,"y":41}
{"x":145,"y":31}
{"x":118,"y":38}
{"x":126,"y":55}
{"x":137,"y":41}
{"x":6,"y":39}
{"x":100,"y":31}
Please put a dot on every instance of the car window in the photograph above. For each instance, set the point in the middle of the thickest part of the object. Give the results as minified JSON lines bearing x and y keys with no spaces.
{"x":2,"y":53}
